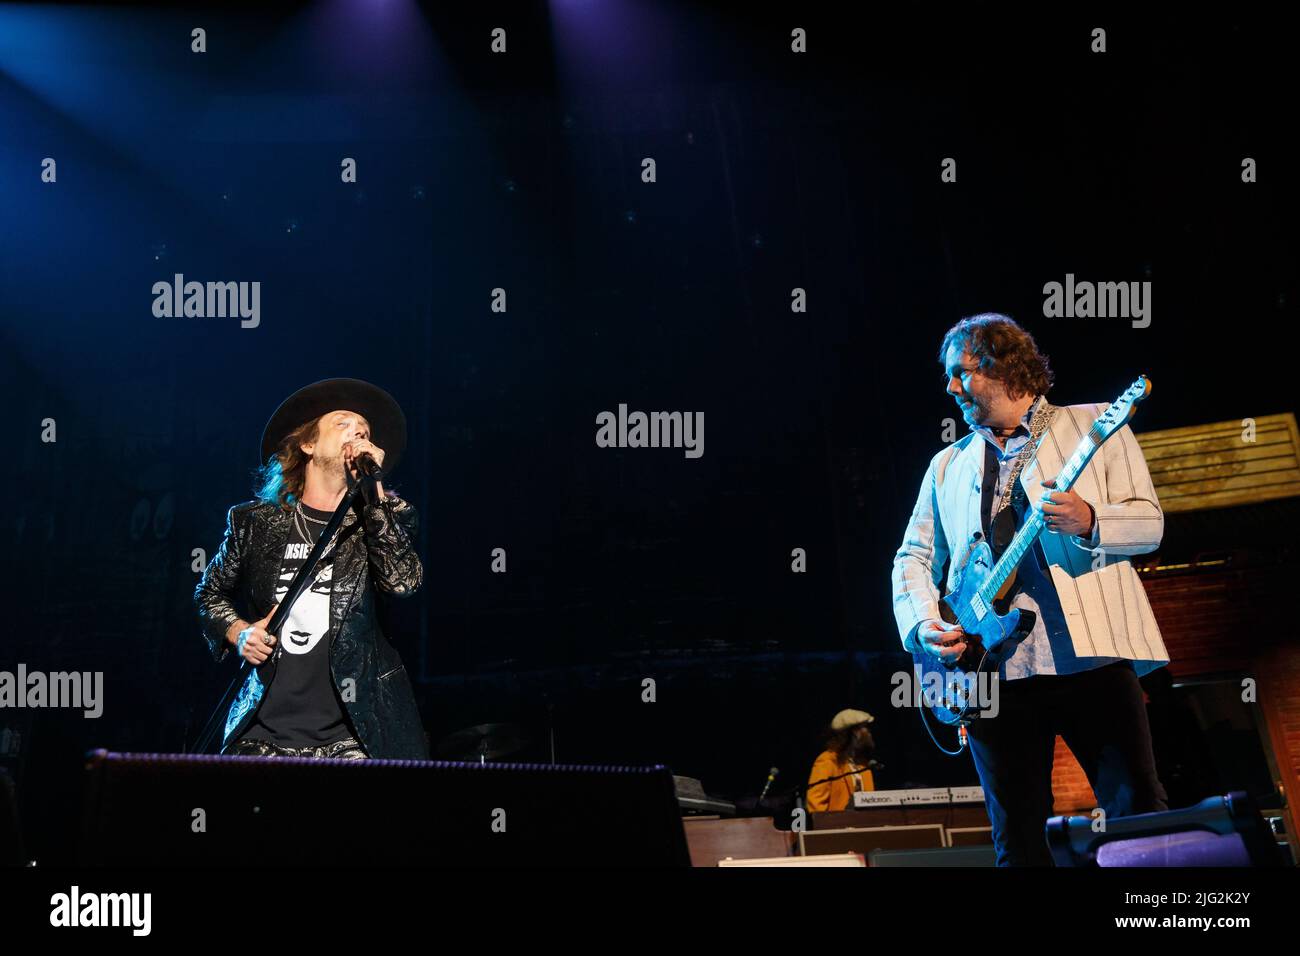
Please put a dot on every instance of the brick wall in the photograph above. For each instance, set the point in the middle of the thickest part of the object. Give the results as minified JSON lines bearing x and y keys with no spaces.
{"x":1071,"y":792}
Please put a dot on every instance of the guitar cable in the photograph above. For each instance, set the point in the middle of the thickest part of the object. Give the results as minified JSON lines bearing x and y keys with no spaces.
{"x":961,"y":747}
{"x":942,"y":749}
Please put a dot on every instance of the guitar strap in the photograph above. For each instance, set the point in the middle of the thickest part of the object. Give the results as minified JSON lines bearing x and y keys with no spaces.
{"x":1000,"y":532}
{"x":1039,"y":422}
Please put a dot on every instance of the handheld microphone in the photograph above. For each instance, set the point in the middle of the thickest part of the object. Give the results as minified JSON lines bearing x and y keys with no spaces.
{"x":771,"y":775}
{"x":367,"y":466}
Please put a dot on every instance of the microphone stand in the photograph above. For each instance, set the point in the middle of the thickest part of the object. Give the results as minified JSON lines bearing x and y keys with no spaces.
{"x":838,"y":776}
{"x":301,"y":581}
{"x":799,"y":792}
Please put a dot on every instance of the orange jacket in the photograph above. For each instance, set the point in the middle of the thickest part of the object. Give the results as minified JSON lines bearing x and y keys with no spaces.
{"x":838,"y":794}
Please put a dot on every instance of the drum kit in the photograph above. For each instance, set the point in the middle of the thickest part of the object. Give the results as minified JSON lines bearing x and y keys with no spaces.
{"x":483,"y":742}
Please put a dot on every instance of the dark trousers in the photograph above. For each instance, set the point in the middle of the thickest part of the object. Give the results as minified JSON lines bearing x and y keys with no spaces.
{"x":349,"y":748}
{"x":1101,"y":715}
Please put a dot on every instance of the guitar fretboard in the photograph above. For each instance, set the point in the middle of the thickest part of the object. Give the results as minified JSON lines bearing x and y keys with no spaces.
{"x":1033,"y":526}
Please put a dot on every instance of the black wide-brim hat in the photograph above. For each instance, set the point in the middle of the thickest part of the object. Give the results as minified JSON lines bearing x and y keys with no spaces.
{"x":387,"y":423}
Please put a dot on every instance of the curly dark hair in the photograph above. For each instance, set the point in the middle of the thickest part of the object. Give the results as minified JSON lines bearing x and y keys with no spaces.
{"x":1005,"y":351}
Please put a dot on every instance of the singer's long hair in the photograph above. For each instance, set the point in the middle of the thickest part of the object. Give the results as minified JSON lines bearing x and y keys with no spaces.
{"x":281,"y":480}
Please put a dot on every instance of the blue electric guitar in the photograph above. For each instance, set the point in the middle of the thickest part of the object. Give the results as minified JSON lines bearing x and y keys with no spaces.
{"x":955,"y":691}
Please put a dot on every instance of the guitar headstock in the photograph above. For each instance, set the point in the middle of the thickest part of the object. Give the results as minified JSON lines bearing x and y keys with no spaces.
{"x":1118,"y":412}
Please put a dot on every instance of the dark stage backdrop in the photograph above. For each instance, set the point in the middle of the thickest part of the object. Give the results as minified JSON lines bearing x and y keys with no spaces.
{"x":523,"y":171}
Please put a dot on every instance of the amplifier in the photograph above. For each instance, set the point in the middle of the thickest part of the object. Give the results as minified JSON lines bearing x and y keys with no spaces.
{"x":865,"y":839}
{"x":852,"y":860}
{"x":937,"y":856}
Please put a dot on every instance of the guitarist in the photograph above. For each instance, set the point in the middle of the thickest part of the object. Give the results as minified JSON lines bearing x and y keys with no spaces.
{"x":1075,"y":673}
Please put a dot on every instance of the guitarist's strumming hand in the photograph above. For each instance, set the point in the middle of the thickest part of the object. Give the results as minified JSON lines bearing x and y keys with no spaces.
{"x":939,"y":639}
{"x":1065,"y":512}
{"x":254,"y":642}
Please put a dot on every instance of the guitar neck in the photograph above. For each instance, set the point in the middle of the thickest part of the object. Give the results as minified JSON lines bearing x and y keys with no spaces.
{"x":1033,"y":526}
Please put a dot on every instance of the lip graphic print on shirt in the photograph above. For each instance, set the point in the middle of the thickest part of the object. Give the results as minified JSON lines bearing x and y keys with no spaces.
{"x":308,"y":619}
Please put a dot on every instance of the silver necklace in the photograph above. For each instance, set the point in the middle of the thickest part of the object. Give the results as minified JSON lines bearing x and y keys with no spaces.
{"x":302,"y":528}
{"x":309,"y":517}
{"x":298,"y":525}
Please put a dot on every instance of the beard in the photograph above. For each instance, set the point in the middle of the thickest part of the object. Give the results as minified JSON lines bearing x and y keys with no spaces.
{"x":860,"y":751}
{"x":979,"y":410}
{"x":329,"y":464}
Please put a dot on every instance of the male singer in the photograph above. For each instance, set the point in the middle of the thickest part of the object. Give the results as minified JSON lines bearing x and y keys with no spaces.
{"x":337,"y":688}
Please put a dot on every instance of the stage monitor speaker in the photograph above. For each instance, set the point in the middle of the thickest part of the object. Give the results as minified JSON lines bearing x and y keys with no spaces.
{"x":174,"y":809}
{"x":1218,"y":831}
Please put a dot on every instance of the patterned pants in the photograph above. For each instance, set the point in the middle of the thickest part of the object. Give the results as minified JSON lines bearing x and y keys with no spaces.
{"x":349,"y":748}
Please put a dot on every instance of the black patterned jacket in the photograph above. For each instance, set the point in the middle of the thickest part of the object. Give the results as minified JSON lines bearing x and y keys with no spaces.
{"x":374,"y":553}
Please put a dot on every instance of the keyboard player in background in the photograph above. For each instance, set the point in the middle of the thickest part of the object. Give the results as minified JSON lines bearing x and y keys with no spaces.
{"x":849,"y":746}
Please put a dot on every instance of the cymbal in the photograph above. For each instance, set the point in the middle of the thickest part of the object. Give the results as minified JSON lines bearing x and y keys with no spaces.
{"x":483,"y":741}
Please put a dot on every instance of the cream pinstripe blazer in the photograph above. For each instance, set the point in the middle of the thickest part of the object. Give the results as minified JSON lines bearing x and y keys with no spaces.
{"x":1106,"y":608}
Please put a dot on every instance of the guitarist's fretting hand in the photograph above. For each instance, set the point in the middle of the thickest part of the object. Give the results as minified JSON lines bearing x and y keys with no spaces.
{"x":938,"y":639}
{"x":1066,"y":512}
